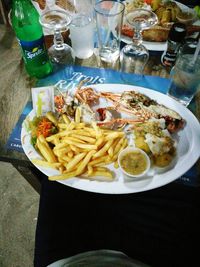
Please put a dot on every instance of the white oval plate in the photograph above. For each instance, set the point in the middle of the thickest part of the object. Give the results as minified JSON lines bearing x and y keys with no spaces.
{"x":188,"y":150}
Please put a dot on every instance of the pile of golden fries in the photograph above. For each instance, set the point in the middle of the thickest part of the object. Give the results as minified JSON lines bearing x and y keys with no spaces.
{"x":80,"y":150}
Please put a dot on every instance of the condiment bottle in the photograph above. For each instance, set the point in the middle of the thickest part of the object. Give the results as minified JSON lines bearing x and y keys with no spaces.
{"x":25,"y":22}
{"x":175,"y":39}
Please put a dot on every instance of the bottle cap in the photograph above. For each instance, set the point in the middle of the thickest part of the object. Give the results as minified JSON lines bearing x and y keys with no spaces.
{"x":177,"y":32}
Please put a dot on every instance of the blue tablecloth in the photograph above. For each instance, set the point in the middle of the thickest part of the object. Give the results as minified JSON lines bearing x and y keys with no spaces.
{"x":99,"y":75}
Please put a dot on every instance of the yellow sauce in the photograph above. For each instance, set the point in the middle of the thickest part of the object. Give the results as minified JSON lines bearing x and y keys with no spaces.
{"x":134,"y":162}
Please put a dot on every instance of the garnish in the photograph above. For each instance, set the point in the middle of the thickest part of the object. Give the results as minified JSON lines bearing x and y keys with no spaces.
{"x":45,"y":128}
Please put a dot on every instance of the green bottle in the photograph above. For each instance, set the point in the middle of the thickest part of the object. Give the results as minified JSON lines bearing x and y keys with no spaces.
{"x":25,"y":22}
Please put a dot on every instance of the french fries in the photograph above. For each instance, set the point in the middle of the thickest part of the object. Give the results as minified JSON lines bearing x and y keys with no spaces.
{"x":52,"y":118}
{"x":45,"y":149}
{"x":43,"y":163}
{"x":78,"y":115}
{"x":80,"y":150}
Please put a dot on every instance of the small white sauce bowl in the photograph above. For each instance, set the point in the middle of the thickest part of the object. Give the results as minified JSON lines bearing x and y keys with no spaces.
{"x":134,"y":149}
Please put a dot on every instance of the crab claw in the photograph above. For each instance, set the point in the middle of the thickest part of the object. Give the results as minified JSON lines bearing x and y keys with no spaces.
{"x":87,"y":96}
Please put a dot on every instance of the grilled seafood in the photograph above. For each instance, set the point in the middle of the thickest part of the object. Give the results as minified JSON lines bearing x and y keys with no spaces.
{"x":87,"y":95}
{"x":64,"y":103}
{"x":119,"y":123}
{"x":111,"y":120}
{"x":144,"y":108}
{"x":138,"y":107}
{"x":107,"y":117}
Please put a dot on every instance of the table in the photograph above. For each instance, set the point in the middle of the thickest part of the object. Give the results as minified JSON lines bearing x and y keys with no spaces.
{"x":174,"y":205}
{"x":15,"y":92}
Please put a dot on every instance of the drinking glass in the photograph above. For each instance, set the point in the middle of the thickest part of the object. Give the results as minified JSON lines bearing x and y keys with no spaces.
{"x":185,"y":75}
{"x":109,"y":18}
{"x":57,"y":22}
{"x":82,"y":29}
{"x":82,"y":35}
{"x":84,"y":6}
{"x":134,"y":56}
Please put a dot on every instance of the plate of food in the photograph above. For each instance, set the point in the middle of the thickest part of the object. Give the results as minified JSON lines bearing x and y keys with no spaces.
{"x":79,"y":144}
{"x":168,"y":12}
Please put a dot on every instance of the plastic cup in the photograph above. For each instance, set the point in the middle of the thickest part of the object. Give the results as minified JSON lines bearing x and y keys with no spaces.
{"x":109,"y":18}
{"x":185,"y":75}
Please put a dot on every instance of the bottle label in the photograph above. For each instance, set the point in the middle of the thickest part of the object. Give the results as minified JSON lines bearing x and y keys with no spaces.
{"x":168,"y":59}
{"x":33,"y":49}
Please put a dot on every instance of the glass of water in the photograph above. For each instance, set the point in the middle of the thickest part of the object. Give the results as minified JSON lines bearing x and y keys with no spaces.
{"x":82,"y":35}
{"x":185,"y":75}
{"x":109,"y":19}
